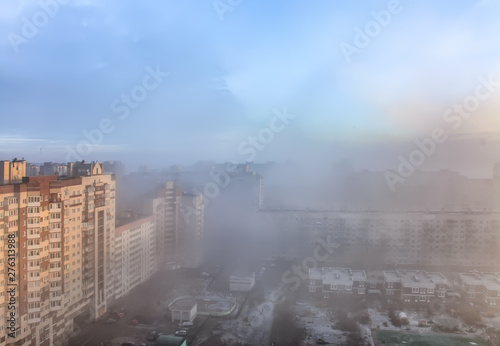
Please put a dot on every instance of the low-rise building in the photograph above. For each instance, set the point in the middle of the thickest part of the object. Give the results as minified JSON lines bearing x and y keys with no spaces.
{"x":184,"y":311}
{"x":331,"y":281}
{"x":414,"y":286}
{"x":481,"y":288}
{"x":242,"y":282}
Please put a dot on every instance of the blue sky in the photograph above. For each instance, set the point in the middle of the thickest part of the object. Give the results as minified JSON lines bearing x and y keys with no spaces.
{"x":226,"y":77}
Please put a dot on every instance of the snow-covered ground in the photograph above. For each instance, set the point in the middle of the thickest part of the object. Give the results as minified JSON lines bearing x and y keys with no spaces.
{"x":253,"y":324}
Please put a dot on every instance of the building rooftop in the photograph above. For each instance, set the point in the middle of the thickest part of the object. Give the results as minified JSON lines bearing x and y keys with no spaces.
{"x":247,"y":276}
{"x":491,"y":281}
{"x":334,"y":275}
{"x":184,"y":305}
{"x":415,"y":278}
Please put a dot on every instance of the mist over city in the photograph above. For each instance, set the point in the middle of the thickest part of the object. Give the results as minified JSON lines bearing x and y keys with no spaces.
{"x":233,"y":172}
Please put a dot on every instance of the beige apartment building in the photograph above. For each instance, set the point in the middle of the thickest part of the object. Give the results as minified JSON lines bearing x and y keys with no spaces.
{"x":56,"y":244}
{"x":12,"y":171}
{"x":135,"y":254}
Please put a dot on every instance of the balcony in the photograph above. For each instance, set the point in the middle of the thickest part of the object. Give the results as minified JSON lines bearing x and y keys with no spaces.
{"x":55,"y":308}
{"x":55,"y":288}
{"x":34,"y":247}
{"x":35,"y":320}
{"x":34,"y":236}
{"x":56,"y":279}
{"x":34,"y":268}
{"x":56,"y":299}
{"x":34,"y":299}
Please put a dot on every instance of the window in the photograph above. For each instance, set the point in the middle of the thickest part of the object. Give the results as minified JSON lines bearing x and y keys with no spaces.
{"x":333,"y":287}
{"x":390,"y":285}
{"x":414,"y":290}
{"x":422,"y":298}
{"x":430,"y":290}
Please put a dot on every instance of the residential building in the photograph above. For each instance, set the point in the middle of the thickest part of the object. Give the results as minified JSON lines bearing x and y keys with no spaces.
{"x":414,"y":286}
{"x":49,"y":168}
{"x":12,"y":171}
{"x":61,"y":231}
{"x":115,"y":167}
{"x":165,"y":209}
{"x":333,"y":281}
{"x":190,"y":229}
{"x":135,"y":253}
{"x":469,"y":238}
{"x":32,"y":170}
{"x":481,"y":288}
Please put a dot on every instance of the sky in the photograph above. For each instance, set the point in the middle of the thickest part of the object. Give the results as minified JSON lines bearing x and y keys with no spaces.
{"x":178,"y":81}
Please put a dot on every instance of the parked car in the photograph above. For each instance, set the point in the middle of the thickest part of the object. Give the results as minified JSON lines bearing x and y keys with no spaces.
{"x":186,"y":325}
{"x":182,"y":332}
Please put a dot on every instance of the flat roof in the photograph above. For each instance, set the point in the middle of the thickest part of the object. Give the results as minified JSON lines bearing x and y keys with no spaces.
{"x":336,"y":275}
{"x":491,"y":281}
{"x":184,"y":305}
{"x":415,"y":278}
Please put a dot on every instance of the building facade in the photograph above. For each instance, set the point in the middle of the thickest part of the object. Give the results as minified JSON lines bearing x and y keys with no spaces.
{"x":411,"y":238}
{"x":12,"y":171}
{"x":481,"y":288}
{"x":57,"y":244}
{"x":332,"y":281}
{"x":414,"y":286}
{"x":190,"y":229}
{"x":135,"y":255}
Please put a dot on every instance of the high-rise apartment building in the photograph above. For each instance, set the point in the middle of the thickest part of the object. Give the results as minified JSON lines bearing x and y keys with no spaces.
{"x":57,"y":244}
{"x":135,"y":253}
{"x":12,"y":171}
{"x":190,"y":229}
